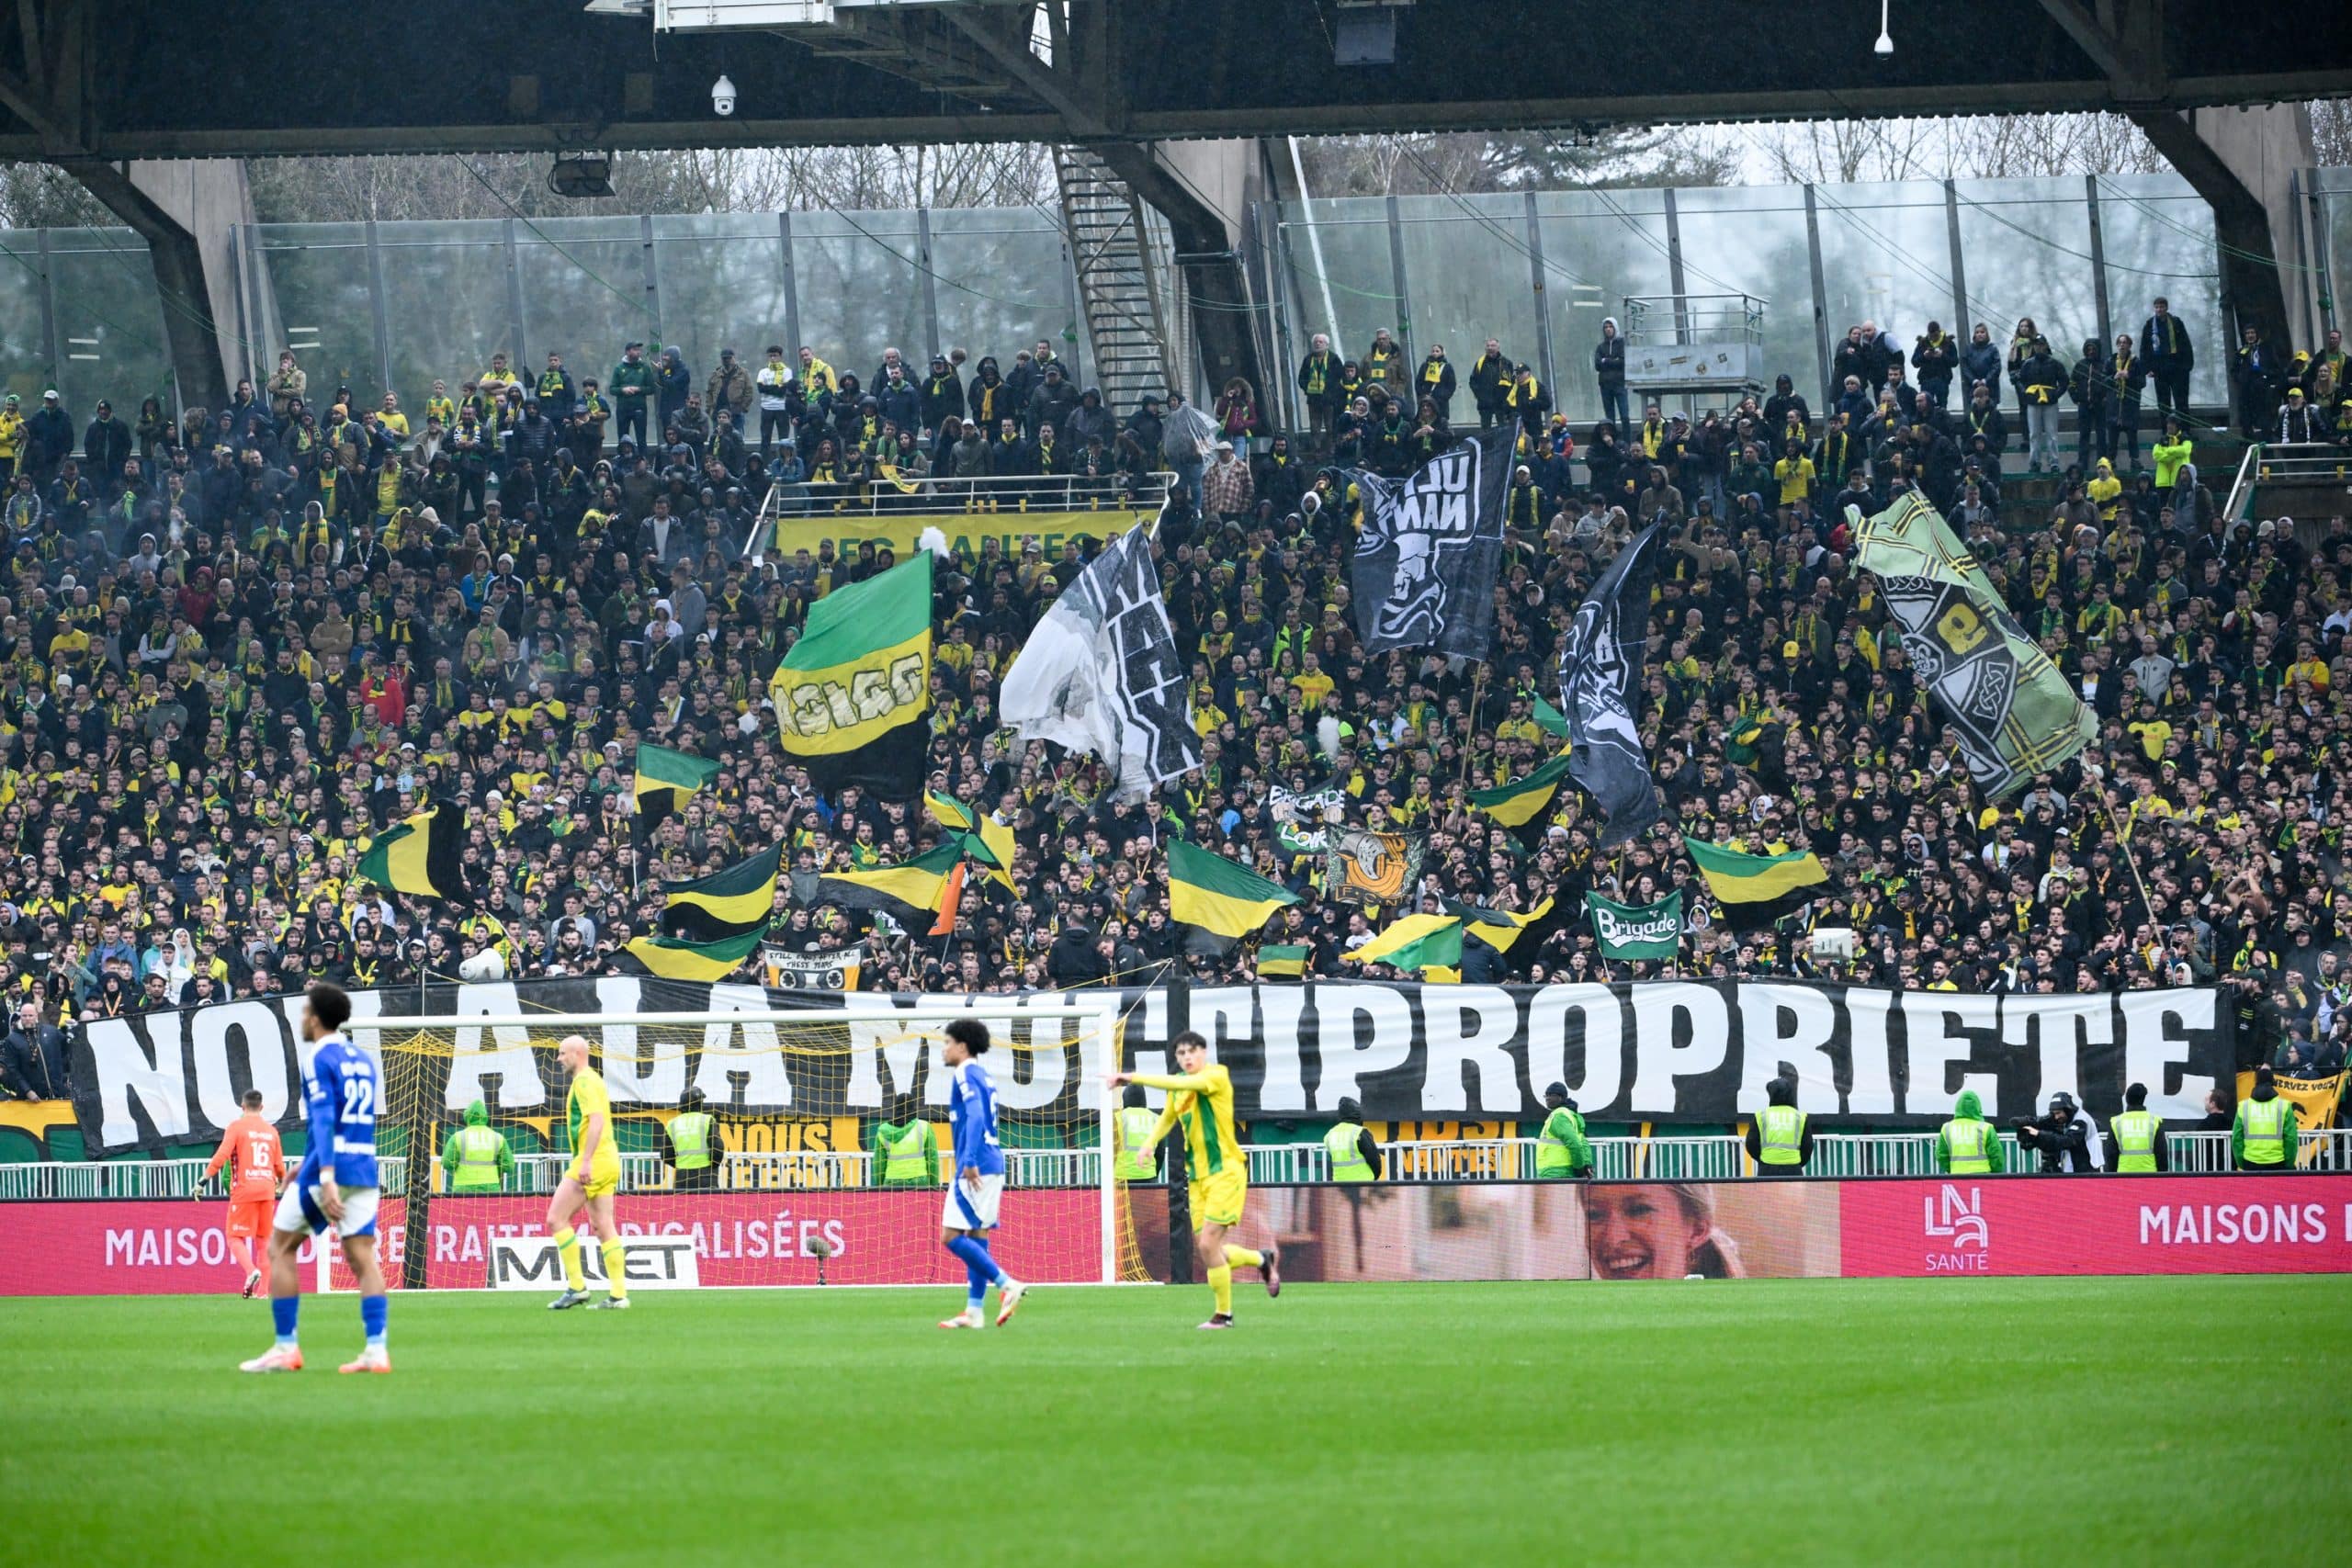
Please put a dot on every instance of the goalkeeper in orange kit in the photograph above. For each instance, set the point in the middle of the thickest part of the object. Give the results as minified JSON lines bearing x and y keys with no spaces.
{"x":1200,"y":1100}
{"x":256,"y":1158}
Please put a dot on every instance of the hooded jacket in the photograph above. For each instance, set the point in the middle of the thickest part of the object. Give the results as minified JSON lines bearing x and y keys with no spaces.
{"x":1968,"y":1108}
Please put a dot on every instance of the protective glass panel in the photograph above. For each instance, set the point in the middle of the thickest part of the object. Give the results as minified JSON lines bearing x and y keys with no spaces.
{"x":1470,"y":276}
{"x":319,"y":273}
{"x":1598,"y":247}
{"x":1001,"y":283}
{"x":24,"y":370}
{"x":2158,"y":238}
{"x":584,"y":290}
{"x":111,"y":337}
{"x":2027,"y":248}
{"x":1887,"y":258}
{"x":1347,"y":286}
{"x":1751,"y":240}
{"x":447,"y":306}
{"x":722,"y":286}
{"x":860,"y":289}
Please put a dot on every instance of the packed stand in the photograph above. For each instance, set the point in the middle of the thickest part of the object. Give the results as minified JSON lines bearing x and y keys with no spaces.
{"x":238,"y":644}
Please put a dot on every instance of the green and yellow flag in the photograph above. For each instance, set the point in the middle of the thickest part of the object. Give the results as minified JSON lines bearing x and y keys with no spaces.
{"x":1755,"y":890}
{"x":675,"y":960}
{"x":910,"y":893}
{"x":669,"y":777}
{"x":1497,"y":928}
{"x":862,"y":667}
{"x":1516,"y":804}
{"x":1212,"y":892}
{"x":1415,"y":942}
{"x":984,"y":841}
{"x":424,"y":855}
{"x":1284,"y":960}
{"x":726,"y":903}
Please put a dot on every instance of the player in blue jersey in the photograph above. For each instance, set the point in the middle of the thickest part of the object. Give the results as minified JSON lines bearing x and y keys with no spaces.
{"x":977,"y":1185}
{"x":336,"y":1184}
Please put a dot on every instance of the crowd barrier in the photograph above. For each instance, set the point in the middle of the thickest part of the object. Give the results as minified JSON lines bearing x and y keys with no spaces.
{"x":1452,"y":1231}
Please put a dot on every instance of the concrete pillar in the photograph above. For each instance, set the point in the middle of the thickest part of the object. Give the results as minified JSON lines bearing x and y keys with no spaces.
{"x":2243,"y":161}
{"x":185,"y":210}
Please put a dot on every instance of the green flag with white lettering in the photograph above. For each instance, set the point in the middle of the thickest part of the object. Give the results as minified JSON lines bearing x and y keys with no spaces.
{"x":1637,"y":930}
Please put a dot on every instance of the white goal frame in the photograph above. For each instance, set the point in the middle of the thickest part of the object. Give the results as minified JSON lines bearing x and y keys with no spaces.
{"x":1098,"y":1039}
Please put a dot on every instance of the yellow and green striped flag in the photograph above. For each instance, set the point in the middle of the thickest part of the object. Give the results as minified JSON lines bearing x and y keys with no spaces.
{"x":1284,"y":960}
{"x":1415,"y":942}
{"x":669,"y":776}
{"x":984,"y":839}
{"x":1212,"y":892}
{"x":424,"y":855}
{"x":675,"y":960}
{"x":726,"y":903}
{"x":862,"y":667}
{"x":1516,"y":804}
{"x":910,"y":893}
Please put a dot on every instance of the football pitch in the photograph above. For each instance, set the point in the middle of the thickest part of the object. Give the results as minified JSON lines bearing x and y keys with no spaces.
{"x":1889,"y":1421}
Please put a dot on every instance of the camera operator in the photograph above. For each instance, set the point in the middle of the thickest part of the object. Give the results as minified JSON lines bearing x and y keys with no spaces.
{"x":2064,"y":1136}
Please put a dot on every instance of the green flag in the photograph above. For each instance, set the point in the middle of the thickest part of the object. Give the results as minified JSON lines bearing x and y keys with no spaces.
{"x":2010,"y":708}
{"x":1637,"y":930}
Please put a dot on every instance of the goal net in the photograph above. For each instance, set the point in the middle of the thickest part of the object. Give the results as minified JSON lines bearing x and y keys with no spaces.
{"x":828,"y":1150}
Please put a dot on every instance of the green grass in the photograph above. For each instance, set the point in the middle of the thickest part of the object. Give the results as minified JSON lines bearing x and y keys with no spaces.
{"x":1886,"y":1422}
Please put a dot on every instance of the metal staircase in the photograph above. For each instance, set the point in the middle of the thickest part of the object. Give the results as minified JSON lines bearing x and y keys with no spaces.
{"x":1118,"y":288}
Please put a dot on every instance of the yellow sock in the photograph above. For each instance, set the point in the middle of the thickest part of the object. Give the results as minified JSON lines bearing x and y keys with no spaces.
{"x":615,"y":1266}
{"x":1243,"y":1257}
{"x":567,"y":1246}
{"x":1221,"y":1287}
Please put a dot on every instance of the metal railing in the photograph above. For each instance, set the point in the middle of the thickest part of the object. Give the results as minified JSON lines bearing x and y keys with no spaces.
{"x":1003,"y":497}
{"x":1714,"y":1158}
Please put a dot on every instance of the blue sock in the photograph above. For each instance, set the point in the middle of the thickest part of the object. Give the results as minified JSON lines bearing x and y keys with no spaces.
{"x":978,"y":1268}
{"x":371,"y":1317}
{"x":282,"y":1312}
{"x":997,"y":1276}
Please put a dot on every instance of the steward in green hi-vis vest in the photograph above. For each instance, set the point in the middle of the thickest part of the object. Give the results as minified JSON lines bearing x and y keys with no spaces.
{"x":1561,"y":1149}
{"x":2136,"y":1135}
{"x":1968,"y":1145}
{"x":2263,"y":1137}
{"x":477,"y":1159}
{"x":1778,"y":1139}
{"x":694,"y":1146}
{"x":1138,"y":1159}
{"x":904,"y":1153}
{"x":1355,"y":1153}
{"x":1344,"y":1142}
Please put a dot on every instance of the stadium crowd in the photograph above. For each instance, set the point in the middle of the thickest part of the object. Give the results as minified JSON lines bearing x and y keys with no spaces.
{"x":234,"y":646}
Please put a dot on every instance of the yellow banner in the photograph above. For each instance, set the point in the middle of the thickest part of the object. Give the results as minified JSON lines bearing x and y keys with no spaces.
{"x":967,"y":532}
{"x":2314,"y":1100}
{"x":843,"y":707}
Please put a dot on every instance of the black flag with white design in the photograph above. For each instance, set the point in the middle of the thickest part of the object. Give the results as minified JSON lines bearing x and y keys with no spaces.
{"x":1601,"y":680}
{"x":1430,"y":550}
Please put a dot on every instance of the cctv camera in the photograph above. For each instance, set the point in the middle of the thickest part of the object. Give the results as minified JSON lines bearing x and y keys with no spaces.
{"x":722,"y":96}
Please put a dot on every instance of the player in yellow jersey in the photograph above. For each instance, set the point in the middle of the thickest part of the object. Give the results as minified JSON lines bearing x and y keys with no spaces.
{"x":1200,"y":1100}
{"x":589,"y":1182}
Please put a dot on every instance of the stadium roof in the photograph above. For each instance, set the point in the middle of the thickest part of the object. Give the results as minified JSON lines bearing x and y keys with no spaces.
{"x":278,"y":77}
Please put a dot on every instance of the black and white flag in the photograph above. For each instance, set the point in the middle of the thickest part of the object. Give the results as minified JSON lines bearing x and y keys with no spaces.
{"x":1601,"y":680}
{"x":1432,"y":547}
{"x":1100,"y":673}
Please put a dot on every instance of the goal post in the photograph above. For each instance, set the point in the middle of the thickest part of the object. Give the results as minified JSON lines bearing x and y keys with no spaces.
{"x":829,"y":1152}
